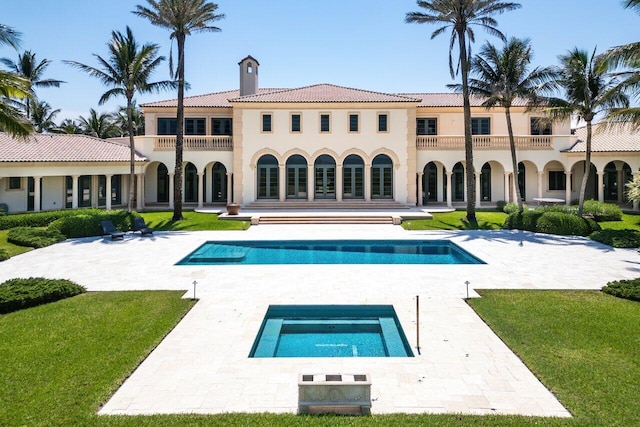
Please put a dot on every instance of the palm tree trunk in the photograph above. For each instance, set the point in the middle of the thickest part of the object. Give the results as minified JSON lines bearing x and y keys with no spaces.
{"x":587,"y":170}
{"x":132,"y":161}
{"x":468,"y":140}
{"x":177,"y":193}
{"x":514,"y":160}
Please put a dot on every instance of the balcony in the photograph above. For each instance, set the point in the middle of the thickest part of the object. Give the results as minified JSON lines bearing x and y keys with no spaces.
{"x":195,"y":143}
{"x":484,"y":142}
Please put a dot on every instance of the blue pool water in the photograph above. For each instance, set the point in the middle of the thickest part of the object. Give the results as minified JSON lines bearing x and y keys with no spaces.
{"x":331,"y":331}
{"x":330,"y":252}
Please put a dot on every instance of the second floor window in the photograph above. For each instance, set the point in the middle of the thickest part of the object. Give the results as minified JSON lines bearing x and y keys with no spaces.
{"x":383,"y":123}
{"x":194,"y":127}
{"x":353,"y":123}
{"x":221,"y":126}
{"x":481,"y":126}
{"x":325,"y":123}
{"x":296,"y":123}
{"x":427,"y":126}
{"x":540,"y":128}
{"x":266,"y":123}
{"x":166,"y":126}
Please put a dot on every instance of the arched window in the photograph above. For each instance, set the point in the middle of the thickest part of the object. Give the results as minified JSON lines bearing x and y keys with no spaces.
{"x":296,"y":177}
{"x":485,"y":182}
{"x":430,"y":182}
{"x":190,"y":183}
{"x":353,"y":177}
{"x":325,"y":177}
{"x":268,"y":177}
{"x":382,"y":177}
{"x":219,"y":182}
{"x":162,"y":181}
{"x":457,"y":183}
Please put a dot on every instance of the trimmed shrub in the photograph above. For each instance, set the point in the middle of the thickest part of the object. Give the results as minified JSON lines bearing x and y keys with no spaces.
{"x":4,"y":255}
{"x":510,"y":208}
{"x":563,"y":224}
{"x":602,"y":211}
{"x":617,"y":238}
{"x":628,"y":289}
{"x":17,"y":294}
{"x":33,"y":219}
{"x":525,"y":220}
{"x":500,"y":204}
{"x":34,"y":237}
{"x":86,"y":223}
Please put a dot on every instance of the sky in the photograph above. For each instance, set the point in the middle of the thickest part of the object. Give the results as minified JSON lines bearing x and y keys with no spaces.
{"x":362,"y":44}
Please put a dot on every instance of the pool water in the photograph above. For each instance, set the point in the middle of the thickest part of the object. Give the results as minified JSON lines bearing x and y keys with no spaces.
{"x":330,"y":252}
{"x":330,"y":331}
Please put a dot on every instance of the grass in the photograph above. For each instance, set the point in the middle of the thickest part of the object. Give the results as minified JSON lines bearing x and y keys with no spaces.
{"x":61,"y":361}
{"x":487,"y":220}
{"x":583,"y":345}
{"x":630,"y":221}
{"x":11,"y":249}
{"x":193,"y":221}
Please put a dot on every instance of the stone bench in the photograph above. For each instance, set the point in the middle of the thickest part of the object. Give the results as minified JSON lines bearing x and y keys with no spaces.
{"x":337,"y":393}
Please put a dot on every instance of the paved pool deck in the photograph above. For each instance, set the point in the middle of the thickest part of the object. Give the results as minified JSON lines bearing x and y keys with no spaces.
{"x":202,"y":365}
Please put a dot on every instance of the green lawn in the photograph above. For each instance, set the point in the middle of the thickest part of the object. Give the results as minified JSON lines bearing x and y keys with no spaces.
{"x":487,"y":220}
{"x":193,"y":221}
{"x":629,"y":222}
{"x":11,"y":249}
{"x":61,"y":361}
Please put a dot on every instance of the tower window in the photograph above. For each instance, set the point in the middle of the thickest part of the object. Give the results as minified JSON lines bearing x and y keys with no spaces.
{"x":250,"y":68}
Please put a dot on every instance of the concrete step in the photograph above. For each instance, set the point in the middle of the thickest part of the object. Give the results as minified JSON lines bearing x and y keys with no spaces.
{"x":326,"y":204}
{"x":325,"y":219}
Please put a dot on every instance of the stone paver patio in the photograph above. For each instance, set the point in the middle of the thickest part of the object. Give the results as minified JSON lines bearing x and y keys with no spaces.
{"x":202,"y":365}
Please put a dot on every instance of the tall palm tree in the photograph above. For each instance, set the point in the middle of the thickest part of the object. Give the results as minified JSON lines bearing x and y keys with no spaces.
{"x":461,"y":16}
{"x":137,"y":119}
{"x":99,"y":125}
{"x":43,"y":116}
{"x":31,"y":70}
{"x":624,"y":60}
{"x":502,"y":75}
{"x":68,"y":126}
{"x":181,"y":18}
{"x":589,"y":92}
{"x":126,"y":71}
{"x":12,"y":88}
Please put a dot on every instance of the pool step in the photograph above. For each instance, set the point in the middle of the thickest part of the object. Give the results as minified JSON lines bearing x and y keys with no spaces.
{"x":328,"y":219}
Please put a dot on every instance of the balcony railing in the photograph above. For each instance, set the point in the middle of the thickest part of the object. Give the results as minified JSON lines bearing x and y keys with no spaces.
{"x":195,"y":143}
{"x":484,"y":142}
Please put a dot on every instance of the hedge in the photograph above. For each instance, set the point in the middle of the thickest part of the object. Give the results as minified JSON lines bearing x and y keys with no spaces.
{"x":628,"y":289}
{"x":33,"y":219}
{"x":617,"y":238}
{"x":550,"y":221}
{"x":17,"y":294}
{"x":86,"y":223}
{"x":4,"y":255}
{"x":34,"y":237}
{"x":602,"y":211}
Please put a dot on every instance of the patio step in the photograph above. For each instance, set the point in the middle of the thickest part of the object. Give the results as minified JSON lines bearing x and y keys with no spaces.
{"x":326,"y":204}
{"x":326,"y":219}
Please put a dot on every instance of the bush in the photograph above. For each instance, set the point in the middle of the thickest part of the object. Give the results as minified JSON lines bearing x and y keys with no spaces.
{"x":34,"y":237}
{"x":4,"y":255}
{"x":86,"y":223}
{"x":33,"y":219}
{"x":563,"y":224}
{"x":602,"y":211}
{"x":525,"y":220}
{"x":17,"y":294}
{"x":510,"y":208}
{"x":500,"y":204}
{"x":628,"y":289}
{"x":617,"y":238}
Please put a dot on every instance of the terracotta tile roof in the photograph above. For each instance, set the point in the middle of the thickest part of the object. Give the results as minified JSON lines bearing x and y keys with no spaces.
{"x":216,"y":99}
{"x":607,"y":139}
{"x":63,"y":148}
{"x":324,"y":93}
{"x":453,"y":100}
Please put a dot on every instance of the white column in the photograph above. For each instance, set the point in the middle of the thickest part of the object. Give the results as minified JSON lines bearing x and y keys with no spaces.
{"x":282,"y":190}
{"x":139,"y":192}
{"x":36,"y":193}
{"x":367,"y":183}
{"x":310,"y":184}
{"x":507,"y":193}
{"x":108,"y":191}
{"x":74,"y":191}
{"x":449,"y":174}
{"x":567,"y":191}
{"x":208,"y":197}
{"x":229,"y":187}
{"x":339,"y":183}
{"x":600,"y":175}
{"x":200,"y":189}
{"x":621,"y":187}
{"x":420,"y":177}
{"x":440,"y":187}
{"x":540,"y":183}
{"x":478,"y":195}
{"x":171,"y":176}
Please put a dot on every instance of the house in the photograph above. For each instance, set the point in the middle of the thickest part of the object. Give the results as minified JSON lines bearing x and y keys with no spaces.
{"x":326,"y":145}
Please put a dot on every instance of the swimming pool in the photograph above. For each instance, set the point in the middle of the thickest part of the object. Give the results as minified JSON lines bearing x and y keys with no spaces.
{"x":329,"y":252}
{"x":330,"y":331}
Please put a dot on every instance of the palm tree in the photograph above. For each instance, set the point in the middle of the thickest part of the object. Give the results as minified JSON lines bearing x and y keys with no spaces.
{"x":126,"y":71}
{"x":137,"y":119}
{"x":461,"y":15}
{"x":99,"y":125}
{"x":12,"y":88}
{"x":589,"y":92}
{"x":181,"y":18}
{"x":42,"y":116}
{"x":502,"y":75}
{"x":68,"y":126}
{"x":31,"y":70}
{"x":627,"y":58}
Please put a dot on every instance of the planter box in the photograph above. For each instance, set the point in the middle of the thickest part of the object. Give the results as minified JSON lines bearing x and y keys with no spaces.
{"x":339,"y":394}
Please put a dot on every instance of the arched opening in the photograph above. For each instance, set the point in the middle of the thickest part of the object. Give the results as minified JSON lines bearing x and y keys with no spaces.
{"x":218,"y":183}
{"x":353,"y":177}
{"x":162,"y":181}
{"x":616,"y":176}
{"x":325,"y":177}
{"x":522,"y":180}
{"x":268,"y":177}
{"x":382,"y":177}
{"x":296,"y":177}
{"x":457,"y":183}
{"x":485,"y":182}
{"x":430,"y":182}
{"x":190,"y":183}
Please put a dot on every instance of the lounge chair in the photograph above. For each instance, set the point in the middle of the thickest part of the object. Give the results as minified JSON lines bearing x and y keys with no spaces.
{"x":139,"y":225}
{"x":110,"y":229}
